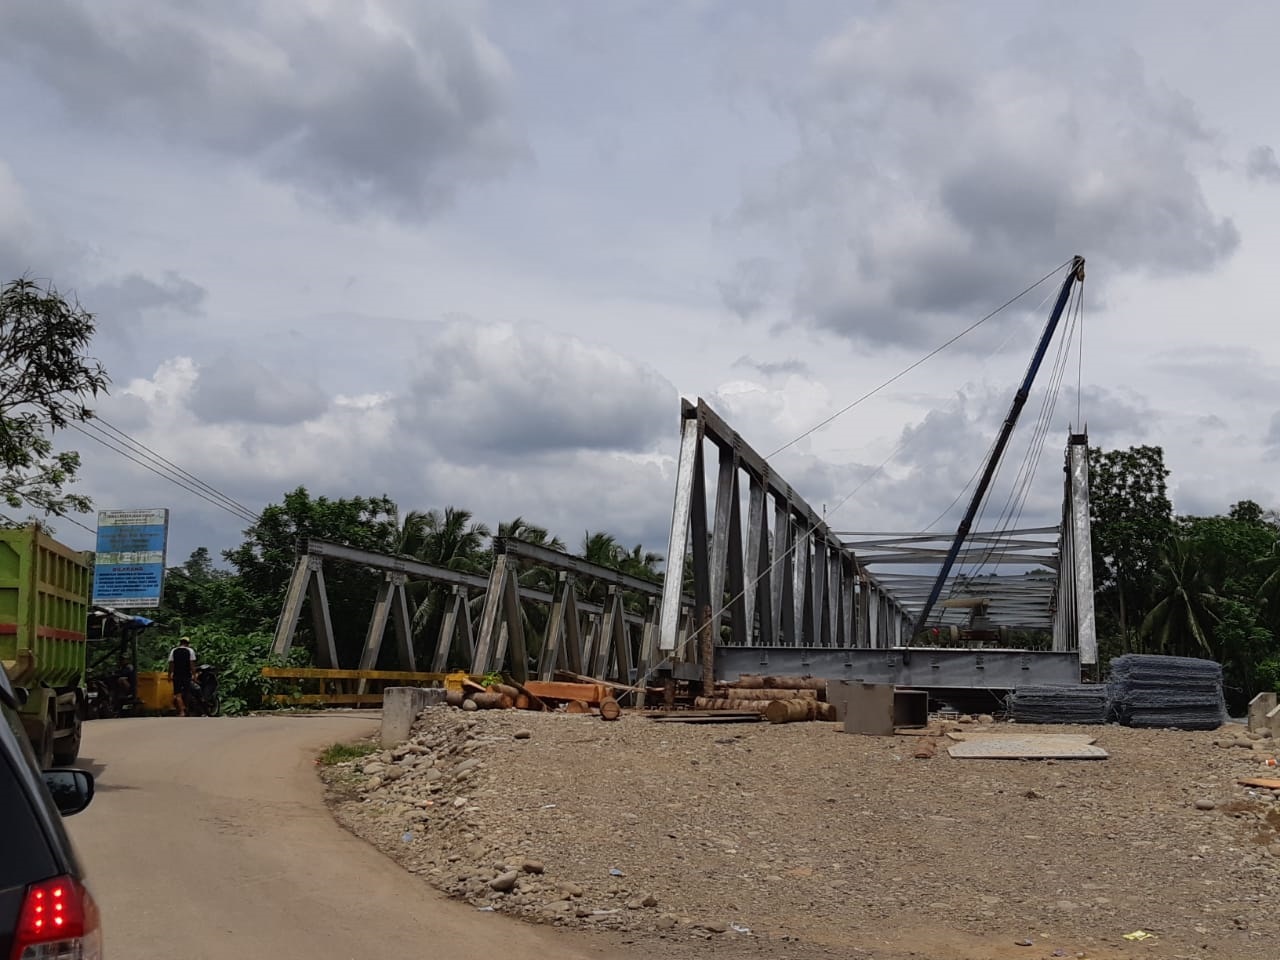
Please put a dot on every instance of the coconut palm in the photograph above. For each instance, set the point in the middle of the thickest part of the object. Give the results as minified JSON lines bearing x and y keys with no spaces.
{"x":1182,"y":619}
{"x":448,"y":539}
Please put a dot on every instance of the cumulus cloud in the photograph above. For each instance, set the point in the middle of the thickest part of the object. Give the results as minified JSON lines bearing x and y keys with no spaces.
{"x":1262,"y":165}
{"x":238,"y":389}
{"x":496,"y":390}
{"x":382,"y":104}
{"x":502,"y":421}
{"x":940,"y":171}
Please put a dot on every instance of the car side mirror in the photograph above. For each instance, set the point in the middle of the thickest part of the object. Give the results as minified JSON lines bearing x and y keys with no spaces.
{"x":72,"y":790}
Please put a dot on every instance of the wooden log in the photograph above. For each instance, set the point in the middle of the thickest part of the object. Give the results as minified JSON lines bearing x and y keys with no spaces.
{"x":609,"y":709}
{"x":925,"y":750}
{"x":470,"y":686}
{"x":505,"y":689}
{"x":506,"y":702}
{"x":747,"y":681}
{"x":454,"y":698}
{"x":720,"y":703}
{"x":522,"y":702}
{"x":555,"y":690}
{"x":791,"y":711}
{"x":764,"y":693}
{"x":486,"y":701}
{"x":534,"y":702}
{"x":577,"y":706}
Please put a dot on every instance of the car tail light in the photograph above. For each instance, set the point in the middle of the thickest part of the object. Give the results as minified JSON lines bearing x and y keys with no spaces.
{"x":58,"y":921}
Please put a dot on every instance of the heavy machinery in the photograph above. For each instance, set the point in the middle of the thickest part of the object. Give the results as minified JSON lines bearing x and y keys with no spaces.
{"x":44,"y":603}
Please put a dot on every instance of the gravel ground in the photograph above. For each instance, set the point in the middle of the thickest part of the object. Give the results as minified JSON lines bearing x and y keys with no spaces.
{"x":799,"y":841}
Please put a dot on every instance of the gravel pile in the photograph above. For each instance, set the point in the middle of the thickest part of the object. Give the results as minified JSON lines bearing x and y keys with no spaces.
{"x":798,"y":841}
{"x":1060,"y":703}
{"x":1156,"y":691}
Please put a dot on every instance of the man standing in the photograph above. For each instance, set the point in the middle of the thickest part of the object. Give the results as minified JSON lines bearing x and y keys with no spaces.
{"x":181,"y":667}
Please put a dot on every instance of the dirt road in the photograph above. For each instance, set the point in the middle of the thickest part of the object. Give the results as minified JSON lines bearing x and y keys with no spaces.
{"x":208,"y":839}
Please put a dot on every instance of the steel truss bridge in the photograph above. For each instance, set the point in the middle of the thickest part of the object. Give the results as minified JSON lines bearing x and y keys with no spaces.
{"x":753,"y":566}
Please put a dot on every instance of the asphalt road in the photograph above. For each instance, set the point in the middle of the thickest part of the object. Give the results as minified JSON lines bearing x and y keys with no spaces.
{"x":208,"y":840}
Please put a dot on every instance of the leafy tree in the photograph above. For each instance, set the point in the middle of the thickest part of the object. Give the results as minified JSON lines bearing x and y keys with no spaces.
{"x":1131,"y":518}
{"x":264,"y":562}
{"x":46,"y":379}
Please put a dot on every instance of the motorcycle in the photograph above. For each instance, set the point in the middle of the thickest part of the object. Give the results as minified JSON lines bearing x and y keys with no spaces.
{"x":202,"y":696}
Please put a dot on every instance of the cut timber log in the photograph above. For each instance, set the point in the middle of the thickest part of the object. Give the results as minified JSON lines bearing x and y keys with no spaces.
{"x":749,"y":681}
{"x":609,"y":709}
{"x":577,"y":706}
{"x":764,"y":693}
{"x":723,"y":703}
{"x":794,"y":711}
{"x":486,"y":701}
{"x":522,"y":702}
{"x":454,"y":698}
{"x":505,"y":690}
{"x":555,"y":690}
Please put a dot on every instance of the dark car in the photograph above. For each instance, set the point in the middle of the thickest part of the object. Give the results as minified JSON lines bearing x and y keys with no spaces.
{"x":45,"y":908}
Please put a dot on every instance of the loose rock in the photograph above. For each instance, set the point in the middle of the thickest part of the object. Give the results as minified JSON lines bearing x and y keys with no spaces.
{"x":504,"y":882}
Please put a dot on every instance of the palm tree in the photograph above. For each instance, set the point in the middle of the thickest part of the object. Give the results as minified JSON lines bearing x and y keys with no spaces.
{"x":642,"y":563}
{"x":535,"y":576}
{"x":448,"y":539}
{"x":1183,"y":616}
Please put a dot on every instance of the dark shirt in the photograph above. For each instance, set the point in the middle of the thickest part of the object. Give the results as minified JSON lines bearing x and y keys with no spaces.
{"x":181,"y":660}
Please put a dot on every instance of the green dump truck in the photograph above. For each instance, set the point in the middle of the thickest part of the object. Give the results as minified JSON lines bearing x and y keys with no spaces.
{"x":44,"y":601}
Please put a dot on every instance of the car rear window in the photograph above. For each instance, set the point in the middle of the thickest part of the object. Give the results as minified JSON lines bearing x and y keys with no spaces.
{"x":27,"y":856}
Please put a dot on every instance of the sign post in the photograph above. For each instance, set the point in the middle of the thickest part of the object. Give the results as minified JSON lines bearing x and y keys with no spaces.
{"x":130,"y":560}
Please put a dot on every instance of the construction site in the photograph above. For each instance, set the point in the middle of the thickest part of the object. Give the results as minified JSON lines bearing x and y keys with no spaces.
{"x":808,"y":743}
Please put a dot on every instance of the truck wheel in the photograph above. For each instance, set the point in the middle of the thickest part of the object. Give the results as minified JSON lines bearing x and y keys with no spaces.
{"x":67,"y":749}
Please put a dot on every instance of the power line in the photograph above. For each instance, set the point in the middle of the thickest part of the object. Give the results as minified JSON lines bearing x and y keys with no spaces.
{"x":247,"y":517}
{"x":157,"y":458}
{"x":928,"y":356}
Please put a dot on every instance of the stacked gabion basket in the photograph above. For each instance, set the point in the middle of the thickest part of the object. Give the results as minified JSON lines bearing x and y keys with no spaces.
{"x":1157,"y":691}
{"x":1065,"y":703}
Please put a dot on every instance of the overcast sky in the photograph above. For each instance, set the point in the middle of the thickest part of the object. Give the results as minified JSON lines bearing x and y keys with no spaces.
{"x":473,"y":253}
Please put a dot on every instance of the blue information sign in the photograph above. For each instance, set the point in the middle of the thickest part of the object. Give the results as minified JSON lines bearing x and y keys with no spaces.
{"x":129,"y":566}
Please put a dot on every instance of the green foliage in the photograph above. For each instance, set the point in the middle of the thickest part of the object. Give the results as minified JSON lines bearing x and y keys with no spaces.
{"x":46,"y":377}
{"x":264,"y":563}
{"x":342,"y":752}
{"x":238,"y":658}
{"x":1268,"y":674}
{"x":1132,"y":519}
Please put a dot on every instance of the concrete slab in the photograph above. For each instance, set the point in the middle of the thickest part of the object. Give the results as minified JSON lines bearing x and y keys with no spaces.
{"x":1028,"y":747}
{"x":965,"y":735}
